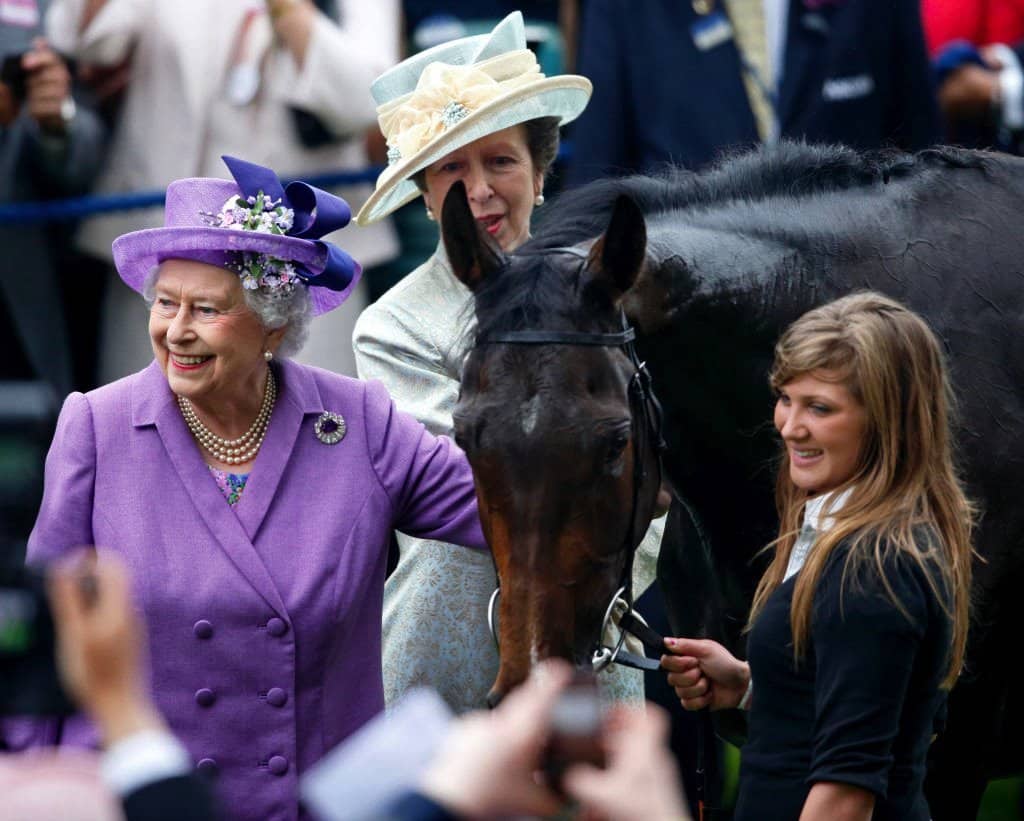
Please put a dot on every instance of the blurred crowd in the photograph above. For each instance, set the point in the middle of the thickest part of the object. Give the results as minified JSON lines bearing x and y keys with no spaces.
{"x":112,"y":97}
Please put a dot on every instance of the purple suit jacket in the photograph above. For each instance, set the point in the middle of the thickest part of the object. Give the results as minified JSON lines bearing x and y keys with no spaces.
{"x":264,"y":620}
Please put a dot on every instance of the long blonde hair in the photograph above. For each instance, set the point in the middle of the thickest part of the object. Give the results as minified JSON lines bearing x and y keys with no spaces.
{"x":905,"y":480}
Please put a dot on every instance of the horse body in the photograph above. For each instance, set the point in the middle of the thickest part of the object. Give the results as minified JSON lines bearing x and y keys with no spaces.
{"x":942,"y":240}
{"x":721,"y":282}
{"x":731,"y":258}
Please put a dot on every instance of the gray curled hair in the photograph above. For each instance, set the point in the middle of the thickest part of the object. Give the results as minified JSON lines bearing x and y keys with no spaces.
{"x":274,"y":309}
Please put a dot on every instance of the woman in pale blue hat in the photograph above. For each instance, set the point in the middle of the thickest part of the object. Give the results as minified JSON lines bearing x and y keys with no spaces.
{"x":478,"y":110}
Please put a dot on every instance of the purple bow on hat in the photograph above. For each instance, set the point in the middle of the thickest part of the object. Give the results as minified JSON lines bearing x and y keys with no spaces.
{"x":316,"y":212}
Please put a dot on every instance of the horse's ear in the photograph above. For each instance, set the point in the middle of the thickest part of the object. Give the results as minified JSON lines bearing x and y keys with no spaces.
{"x":618,"y":255}
{"x":473,"y":254}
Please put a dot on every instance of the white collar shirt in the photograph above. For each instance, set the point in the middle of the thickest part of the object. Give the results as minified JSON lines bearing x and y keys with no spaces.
{"x":818,"y":518}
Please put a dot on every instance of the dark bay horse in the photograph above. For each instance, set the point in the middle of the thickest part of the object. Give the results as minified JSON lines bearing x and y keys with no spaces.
{"x":709,"y":269}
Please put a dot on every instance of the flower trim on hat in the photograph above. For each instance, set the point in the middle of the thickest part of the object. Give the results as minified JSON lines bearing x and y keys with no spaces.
{"x":263,"y":215}
{"x":446,"y":95}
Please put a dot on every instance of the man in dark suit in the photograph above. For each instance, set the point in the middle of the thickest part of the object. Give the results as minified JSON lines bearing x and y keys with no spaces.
{"x":680,"y":81}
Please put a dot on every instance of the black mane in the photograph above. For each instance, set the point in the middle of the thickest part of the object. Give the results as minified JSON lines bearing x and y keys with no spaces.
{"x":537,"y":294}
{"x":787,"y":168}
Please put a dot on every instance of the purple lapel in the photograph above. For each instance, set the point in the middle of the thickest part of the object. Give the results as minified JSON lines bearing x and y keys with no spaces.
{"x":297,"y":396}
{"x":154,"y":404}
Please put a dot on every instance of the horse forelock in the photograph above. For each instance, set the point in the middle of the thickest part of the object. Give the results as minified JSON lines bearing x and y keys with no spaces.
{"x":535,"y":291}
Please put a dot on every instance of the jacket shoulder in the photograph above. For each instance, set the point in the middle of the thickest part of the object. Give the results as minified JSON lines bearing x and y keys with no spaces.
{"x":115,"y":397}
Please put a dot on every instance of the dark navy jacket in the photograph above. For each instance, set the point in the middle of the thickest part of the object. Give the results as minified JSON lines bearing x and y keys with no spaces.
{"x":855,"y":72}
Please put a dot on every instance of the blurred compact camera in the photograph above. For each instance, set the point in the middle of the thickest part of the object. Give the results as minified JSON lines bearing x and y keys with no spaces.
{"x":14,"y":76}
{"x":577,"y":728}
{"x":29,"y":682}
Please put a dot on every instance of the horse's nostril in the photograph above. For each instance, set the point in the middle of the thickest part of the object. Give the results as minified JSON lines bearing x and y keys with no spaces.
{"x":494,"y":698}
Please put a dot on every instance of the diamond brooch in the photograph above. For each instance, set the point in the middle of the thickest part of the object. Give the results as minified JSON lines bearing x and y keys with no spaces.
{"x":452,"y":113}
{"x":394,"y":155}
{"x":330,"y":428}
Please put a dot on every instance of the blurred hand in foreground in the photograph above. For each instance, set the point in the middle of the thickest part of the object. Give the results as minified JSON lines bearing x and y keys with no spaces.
{"x":100,"y":646}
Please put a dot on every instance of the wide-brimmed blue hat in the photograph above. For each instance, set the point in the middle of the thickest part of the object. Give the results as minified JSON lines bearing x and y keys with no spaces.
{"x":267,"y":233}
{"x":453,"y":94}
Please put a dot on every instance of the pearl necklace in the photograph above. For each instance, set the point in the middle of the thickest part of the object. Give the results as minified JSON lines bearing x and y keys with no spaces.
{"x":245,"y":447}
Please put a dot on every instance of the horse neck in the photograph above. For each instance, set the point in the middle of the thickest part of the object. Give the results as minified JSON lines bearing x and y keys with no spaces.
{"x":715,"y":259}
{"x":774,"y":241}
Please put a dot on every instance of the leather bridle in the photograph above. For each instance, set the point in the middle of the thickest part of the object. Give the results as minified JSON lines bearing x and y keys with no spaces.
{"x":646,"y":424}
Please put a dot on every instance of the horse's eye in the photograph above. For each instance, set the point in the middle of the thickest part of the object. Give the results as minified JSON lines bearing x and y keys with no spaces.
{"x":459,"y":431}
{"x":466,"y":432}
{"x":616,"y":445}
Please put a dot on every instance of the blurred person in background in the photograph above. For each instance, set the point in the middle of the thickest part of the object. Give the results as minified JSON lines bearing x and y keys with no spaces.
{"x":281,"y":82}
{"x":252,"y":497}
{"x":51,"y":145}
{"x":476,"y":110}
{"x":976,"y":49}
{"x":680,"y":82}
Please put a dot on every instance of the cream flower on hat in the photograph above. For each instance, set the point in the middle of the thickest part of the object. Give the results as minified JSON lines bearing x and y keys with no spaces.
{"x":446,"y":94}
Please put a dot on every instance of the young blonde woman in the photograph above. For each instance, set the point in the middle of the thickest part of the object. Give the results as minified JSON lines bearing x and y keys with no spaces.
{"x":859,"y":624}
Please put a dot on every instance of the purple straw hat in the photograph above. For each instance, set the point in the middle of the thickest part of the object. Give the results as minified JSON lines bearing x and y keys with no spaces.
{"x":267,"y":233}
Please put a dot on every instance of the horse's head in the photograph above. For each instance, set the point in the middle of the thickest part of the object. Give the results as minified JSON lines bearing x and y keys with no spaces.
{"x":557,"y":423}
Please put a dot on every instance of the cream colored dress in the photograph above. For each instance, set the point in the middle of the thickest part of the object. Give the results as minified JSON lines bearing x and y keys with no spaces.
{"x":414,"y":340}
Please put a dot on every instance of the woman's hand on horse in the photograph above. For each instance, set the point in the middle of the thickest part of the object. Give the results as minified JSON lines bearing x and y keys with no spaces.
{"x":705,"y":674}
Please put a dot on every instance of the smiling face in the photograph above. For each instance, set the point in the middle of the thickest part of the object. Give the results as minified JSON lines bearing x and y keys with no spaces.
{"x":207,"y":340}
{"x":501,"y":183}
{"x":823,"y":426}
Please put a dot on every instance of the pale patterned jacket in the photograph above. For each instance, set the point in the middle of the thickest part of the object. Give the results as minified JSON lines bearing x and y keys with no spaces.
{"x":414,"y":340}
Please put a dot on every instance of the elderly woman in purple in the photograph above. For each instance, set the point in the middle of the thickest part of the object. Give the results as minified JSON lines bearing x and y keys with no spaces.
{"x":252,"y":497}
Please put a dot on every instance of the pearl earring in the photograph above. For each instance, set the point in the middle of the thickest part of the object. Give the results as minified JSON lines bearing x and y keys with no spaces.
{"x":430,"y":214}
{"x":538,"y":200}
{"x":268,"y":355}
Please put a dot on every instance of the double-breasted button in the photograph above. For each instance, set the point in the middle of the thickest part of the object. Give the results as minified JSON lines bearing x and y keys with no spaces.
{"x":278,"y":764}
{"x":203,"y":629}
{"x":277,"y":627}
{"x":205,"y":697}
{"x":276,"y":697}
{"x":207,"y":766}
